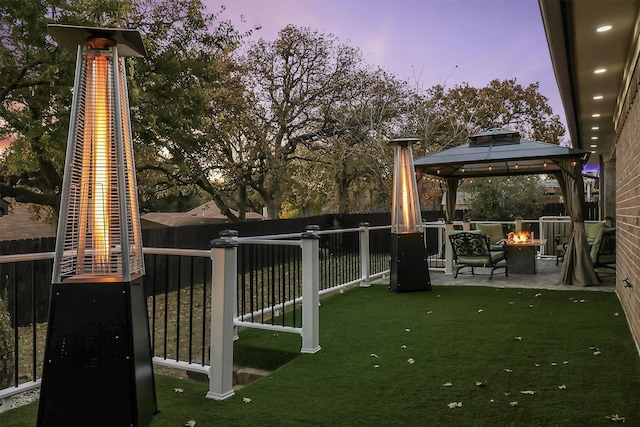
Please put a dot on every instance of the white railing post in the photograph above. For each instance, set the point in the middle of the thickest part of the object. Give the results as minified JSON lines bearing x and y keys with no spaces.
{"x":448,"y":252}
{"x":364,"y":254}
{"x":518,"y":224}
{"x":310,"y":290}
{"x":224,"y":282}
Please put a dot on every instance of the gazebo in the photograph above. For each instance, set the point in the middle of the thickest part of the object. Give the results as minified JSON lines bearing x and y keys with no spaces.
{"x":501,"y":152}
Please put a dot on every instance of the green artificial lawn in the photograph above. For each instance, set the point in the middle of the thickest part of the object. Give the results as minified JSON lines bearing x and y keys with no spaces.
{"x":545,"y":343}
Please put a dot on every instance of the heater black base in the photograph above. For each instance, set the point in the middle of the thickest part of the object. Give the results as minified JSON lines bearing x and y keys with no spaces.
{"x":409,"y":268}
{"x":97,"y":366}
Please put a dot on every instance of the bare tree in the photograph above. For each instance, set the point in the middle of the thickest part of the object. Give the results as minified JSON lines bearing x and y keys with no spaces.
{"x":298,"y":81}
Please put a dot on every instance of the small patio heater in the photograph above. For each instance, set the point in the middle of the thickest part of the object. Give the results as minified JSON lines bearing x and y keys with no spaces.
{"x":409,"y":269}
{"x":97,"y":366}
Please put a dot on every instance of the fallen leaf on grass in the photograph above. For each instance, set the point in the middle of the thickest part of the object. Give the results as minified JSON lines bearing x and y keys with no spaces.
{"x":514,"y":403}
{"x":410,"y":361}
{"x":190,"y":423}
{"x":454,"y":405}
{"x":376,"y":366}
{"x":553,"y":363}
{"x":616,"y":418}
{"x":518,"y":338}
{"x":507,"y":393}
{"x":480,"y":311}
{"x":403,"y":346}
{"x":407,"y":330}
{"x":178,"y":390}
{"x":562,"y":387}
{"x":537,"y":295}
{"x":528,"y":392}
{"x":616,"y":314}
{"x":491,"y":401}
{"x":508,"y":370}
{"x":373,"y":355}
{"x":429,"y":312}
{"x":480,"y":384}
{"x":447,"y":384}
{"x":246,"y":400}
{"x":537,"y":365}
{"x":597,"y":353}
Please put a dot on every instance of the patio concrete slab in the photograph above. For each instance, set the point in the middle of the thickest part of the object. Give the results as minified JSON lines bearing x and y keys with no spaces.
{"x":547,"y":277}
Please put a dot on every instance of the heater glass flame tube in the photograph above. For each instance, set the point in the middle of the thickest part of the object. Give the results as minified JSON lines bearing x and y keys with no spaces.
{"x":99,"y":145}
{"x":406,"y":208}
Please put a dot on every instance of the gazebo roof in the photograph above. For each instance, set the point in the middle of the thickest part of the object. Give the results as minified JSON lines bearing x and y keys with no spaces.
{"x":497,"y":152}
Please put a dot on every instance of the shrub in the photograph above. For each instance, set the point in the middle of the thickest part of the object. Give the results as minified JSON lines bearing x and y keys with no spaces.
{"x":6,"y":346}
{"x":505,"y":198}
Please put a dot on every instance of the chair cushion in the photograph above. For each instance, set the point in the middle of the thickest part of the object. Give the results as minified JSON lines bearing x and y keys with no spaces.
{"x":497,"y":256}
{"x":592,"y":229}
{"x":606,"y":258}
{"x":481,"y":261}
{"x":494,"y":231}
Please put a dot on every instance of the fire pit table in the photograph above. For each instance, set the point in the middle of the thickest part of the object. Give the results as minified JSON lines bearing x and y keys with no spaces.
{"x":520,"y":251}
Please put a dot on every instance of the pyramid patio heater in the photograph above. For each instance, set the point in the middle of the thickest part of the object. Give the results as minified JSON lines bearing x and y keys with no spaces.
{"x":97,"y":366}
{"x":409,"y":269}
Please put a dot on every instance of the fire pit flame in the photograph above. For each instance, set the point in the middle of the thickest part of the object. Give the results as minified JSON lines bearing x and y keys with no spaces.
{"x":519,"y":237}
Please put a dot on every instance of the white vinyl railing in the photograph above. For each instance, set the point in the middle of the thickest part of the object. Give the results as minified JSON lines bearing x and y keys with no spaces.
{"x":224,"y":319}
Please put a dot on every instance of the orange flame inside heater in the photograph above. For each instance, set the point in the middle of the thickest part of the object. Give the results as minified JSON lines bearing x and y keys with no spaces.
{"x":520,"y":237}
{"x":96,"y":157}
{"x":406,"y":199}
{"x":101,"y":162}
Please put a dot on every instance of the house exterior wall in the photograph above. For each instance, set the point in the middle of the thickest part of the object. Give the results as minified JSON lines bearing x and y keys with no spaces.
{"x":628,"y":218}
{"x":608,"y":197}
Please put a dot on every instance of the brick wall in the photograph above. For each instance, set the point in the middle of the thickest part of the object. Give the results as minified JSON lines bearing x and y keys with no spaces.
{"x":609,"y":197}
{"x":628,"y":218}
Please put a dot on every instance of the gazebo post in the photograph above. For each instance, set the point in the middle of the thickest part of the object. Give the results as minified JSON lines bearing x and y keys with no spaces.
{"x":448,"y":252}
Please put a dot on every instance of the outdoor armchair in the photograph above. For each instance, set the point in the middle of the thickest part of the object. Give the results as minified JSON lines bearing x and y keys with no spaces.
{"x":472,"y":249}
{"x":495,"y":234}
{"x":603,"y":251}
{"x":561,"y":247}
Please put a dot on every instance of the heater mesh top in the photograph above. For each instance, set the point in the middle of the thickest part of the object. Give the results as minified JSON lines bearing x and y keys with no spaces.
{"x":100,"y":229}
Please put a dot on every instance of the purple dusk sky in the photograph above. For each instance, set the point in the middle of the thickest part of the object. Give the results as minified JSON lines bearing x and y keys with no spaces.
{"x":427,"y":42}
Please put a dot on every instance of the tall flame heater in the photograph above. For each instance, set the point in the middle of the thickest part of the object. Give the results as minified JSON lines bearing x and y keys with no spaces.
{"x":97,"y":366}
{"x":409,"y":269}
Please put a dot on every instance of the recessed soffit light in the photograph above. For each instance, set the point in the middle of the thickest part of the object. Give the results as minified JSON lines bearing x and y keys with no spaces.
{"x":595,"y":115}
{"x":595,"y":128}
{"x":594,"y":145}
{"x":603,"y":28}
{"x":599,"y":70}
{"x":594,"y":137}
{"x":597,"y":97}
